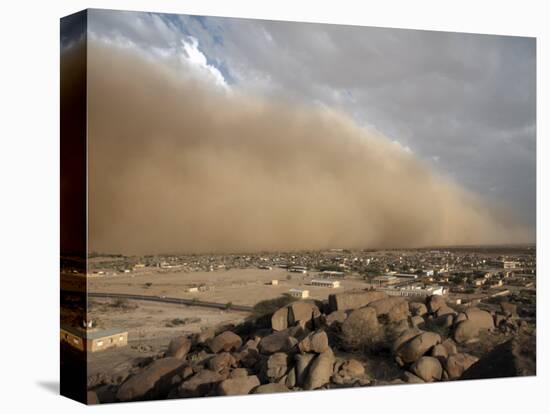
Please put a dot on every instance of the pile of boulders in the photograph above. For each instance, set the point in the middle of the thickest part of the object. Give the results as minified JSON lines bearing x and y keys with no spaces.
{"x":310,"y":345}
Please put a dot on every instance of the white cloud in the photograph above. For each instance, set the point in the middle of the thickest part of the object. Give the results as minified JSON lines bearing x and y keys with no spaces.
{"x":197,"y":58}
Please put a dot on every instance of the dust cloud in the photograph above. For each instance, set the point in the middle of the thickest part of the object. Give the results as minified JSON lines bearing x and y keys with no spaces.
{"x":177,"y":166}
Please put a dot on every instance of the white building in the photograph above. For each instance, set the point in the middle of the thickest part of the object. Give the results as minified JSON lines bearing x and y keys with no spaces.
{"x":412,"y":291}
{"x":299,"y":293}
{"x":332,"y":273}
{"x":325,"y":283}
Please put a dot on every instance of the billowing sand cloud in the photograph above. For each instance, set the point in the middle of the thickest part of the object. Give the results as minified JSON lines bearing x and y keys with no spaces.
{"x":178,"y":166}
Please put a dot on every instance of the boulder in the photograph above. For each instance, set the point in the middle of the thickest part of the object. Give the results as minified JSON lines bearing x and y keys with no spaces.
{"x":238,"y":386}
{"x":238,"y":373}
{"x":336,"y":317}
{"x":417,"y":309}
{"x":320,"y":371}
{"x":450,"y":346}
{"x":303,"y":362}
{"x":435,"y":302}
{"x":415,"y":348}
{"x":279,"y":319}
{"x":302,"y":311}
{"x":483,"y":319}
{"x":179,"y":347}
{"x":417,"y":321}
{"x":314,"y":342}
{"x":270,"y":388}
{"x":397,"y":305}
{"x":428,"y":369}
{"x":279,"y":341}
{"x":151,"y":380}
{"x":276,"y":366}
{"x":352,"y":368}
{"x":353,"y":300}
{"x":410,"y":378}
{"x":226,"y":341}
{"x":465,"y":331}
{"x":458,"y":363}
{"x":440,"y":352}
{"x":444,"y":311}
{"x":509,"y":309}
{"x":221,"y":361}
{"x":200,"y":384}
{"x":404,"y":337}
{"x":360,"y":326}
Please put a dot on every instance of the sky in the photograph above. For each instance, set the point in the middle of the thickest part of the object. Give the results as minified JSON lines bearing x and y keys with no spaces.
{"x":462,"y":103}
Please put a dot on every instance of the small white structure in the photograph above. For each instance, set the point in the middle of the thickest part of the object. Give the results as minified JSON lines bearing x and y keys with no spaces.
{"x":274,"y":282}
{"x":326,"y":283}
{"x":385,"y":280}
{"x":299,"y":293}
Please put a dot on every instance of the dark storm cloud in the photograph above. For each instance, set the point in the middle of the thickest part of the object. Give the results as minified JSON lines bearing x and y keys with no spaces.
{"x":463,"y":102}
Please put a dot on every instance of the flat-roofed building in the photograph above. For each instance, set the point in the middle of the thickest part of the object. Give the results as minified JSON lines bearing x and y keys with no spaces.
{"x":385,"y":280}
{"x":299,"y":293}
{"x":332,"y":273}
{"x":412,"y":291}
{"x":93,"y":340}
{"x":325,"y":283}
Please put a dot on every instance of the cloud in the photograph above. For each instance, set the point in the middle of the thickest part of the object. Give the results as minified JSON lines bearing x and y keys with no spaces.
{"x":175,"y":165}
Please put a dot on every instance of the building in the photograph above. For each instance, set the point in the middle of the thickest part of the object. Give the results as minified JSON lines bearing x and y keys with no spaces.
{"x":385,"y":280}
{"x":332,"y":273}
{"x":325,"y":283}
{"x":299,"y":293}
{"x":412,"y":291}
{"x":93,"y":340}
{"x":410,"y":276}
{"x":274,"y":282}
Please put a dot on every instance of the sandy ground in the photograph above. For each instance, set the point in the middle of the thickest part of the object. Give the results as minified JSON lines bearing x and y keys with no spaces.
{"x":238,"y":286}
{"x":146,"y":323}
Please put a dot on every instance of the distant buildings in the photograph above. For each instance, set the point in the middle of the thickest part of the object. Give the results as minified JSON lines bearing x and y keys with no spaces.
{"x":325,"y":283}
{"x":412,"y":291}
{"x":299,"y":293}
{"x":385,"y":280}
{"x":332,"y":273}
{"x":93,"y":340}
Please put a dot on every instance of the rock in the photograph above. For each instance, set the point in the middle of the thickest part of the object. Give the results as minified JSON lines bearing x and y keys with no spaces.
{"x":412,"y":350}
{"x":450,"y":346}
{"x":238,"y":373}
{"x":221,"y":361}
{"x":435,"y":302}
{"x":352,"y":368}
{"x":458,"y":363}
{"x":482,"y":319}
{"x":336,"y":317}
{"x":279,"y":341}
{"x":465,"y":331}
{"x":360,"y":326}
{"x":404,"y":337}
{"x":226,"y":341}
{"x":417,"y":321}
{"x":279,"y":319}
{"x":510,"y":359}
{"x":320,"y":371}
{"x":303,"y":362}
{"x":238,"y":386}
{"x":509,"y":309}
{"x":471,"y":324}
{"x":200,"y":384}
{"x":444,"y":311}
{"x":150,"y":381}
{"x":428,"y":369}
{"x":314,"y":342}
{"x":277,"y":366}
{"x":353,"y":300}
{"x":387,"y":305}
{"x":499,"y":319}
{"x":179,"y":347}
{"x":205,"y":335}
{"x":290,"y":381}
{"x":270,"y":388}
{"x":417,"y":309}
{"x":302,"y":311}
{"x":91,"y":398}
{"x":410,"y":378}
{"x":440,"y":352}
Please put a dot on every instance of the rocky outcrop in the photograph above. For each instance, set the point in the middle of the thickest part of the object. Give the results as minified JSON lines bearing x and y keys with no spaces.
{"x":353,"y":300}
{"x":320,"y":371}
{"x":238,"y":386}
{"x":456,"y":364}
{"x":226,"y":341}
{"x":428,"y":369}
{"x":412,"y":350}
{"x":179,"y":347}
